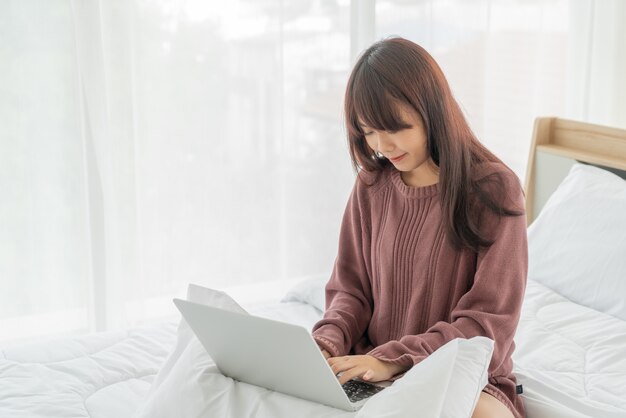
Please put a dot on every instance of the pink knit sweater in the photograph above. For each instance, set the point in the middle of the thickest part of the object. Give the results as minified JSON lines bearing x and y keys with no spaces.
{"x":399,"y":290}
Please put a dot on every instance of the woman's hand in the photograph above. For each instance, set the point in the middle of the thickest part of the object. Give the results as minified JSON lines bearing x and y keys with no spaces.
{"x":326,"y":354}
{"x":365,"y":367}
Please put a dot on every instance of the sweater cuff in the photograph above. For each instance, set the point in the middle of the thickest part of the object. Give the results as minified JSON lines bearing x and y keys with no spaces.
{"x":405,"y":360}
{"x":327,"y":345}
{"x":331,"y":338}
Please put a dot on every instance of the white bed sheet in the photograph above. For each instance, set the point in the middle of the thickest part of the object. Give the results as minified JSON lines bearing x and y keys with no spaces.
{"x":570,"y":359}
{"x":99,"y":375}
{"x":108,"y":374}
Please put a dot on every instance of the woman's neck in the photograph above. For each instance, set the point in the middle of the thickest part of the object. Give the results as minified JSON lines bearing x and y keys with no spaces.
{"x":425,"y":175}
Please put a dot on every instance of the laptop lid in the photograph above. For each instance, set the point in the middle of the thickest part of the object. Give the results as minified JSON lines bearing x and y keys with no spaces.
{"x":263,"y":352}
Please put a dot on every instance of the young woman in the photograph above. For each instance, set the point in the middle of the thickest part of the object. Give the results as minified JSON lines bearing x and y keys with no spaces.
{"x":433,"y":240}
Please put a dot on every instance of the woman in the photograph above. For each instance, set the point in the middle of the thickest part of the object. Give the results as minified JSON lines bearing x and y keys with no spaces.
{"x":433,"y":240}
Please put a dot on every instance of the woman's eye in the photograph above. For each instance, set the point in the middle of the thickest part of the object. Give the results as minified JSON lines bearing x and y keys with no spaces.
{"x":367,"y":133}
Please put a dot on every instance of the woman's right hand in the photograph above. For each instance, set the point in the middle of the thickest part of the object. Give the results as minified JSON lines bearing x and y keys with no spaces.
{"x":326,"y":354}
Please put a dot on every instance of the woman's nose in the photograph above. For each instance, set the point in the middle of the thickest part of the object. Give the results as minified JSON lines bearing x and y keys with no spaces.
{"x":385,"y":145}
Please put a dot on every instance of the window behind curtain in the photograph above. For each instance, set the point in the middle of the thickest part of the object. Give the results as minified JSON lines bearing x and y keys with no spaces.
{"x":148,"y":144}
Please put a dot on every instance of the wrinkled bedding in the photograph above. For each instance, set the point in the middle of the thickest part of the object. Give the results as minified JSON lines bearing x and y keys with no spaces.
{"x":570,"y":359}
{"x":99,"y":375}
{"x":447,"y":384}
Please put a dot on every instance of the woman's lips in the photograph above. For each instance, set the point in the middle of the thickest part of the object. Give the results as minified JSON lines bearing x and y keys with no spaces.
{"x":395,"y":160}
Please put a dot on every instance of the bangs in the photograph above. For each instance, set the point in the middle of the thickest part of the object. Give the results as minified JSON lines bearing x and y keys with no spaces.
{"x":375,"y":101}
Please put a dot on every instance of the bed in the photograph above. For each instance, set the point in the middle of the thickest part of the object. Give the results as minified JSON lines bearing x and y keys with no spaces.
{"x":571,"y":341}
{"x":108,"y":374}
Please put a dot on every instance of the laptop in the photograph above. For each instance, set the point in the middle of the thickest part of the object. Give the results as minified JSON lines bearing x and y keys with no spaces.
{"x":272,"y":354}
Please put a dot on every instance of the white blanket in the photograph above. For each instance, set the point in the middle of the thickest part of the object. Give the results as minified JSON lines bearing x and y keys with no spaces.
{"x":571,"y":359}
{"x":99,"y":375}
{"x":446,"y":384}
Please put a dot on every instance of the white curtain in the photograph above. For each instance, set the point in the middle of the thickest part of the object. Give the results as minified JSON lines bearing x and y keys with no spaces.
{"x":505,"y":61}
{"x":596,"y":83}
{"x":147,"y":144}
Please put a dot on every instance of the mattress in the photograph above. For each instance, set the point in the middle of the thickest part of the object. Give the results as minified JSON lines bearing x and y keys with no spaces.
{"x":570,"y":359}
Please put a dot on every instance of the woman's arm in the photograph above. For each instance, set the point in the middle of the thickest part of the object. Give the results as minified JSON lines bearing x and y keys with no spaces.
{"x":348,"y":292}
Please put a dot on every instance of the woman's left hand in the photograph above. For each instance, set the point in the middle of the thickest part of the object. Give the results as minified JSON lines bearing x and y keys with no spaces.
{"x":365,"y":367}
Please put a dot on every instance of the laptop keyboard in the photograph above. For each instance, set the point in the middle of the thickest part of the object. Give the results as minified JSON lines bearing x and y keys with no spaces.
{"x":357,"y":390}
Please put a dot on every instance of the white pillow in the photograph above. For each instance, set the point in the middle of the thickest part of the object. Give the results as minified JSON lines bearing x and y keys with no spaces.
{"x":198,"y":294}
{"x":310,"y":290}
{"x":446,"y":384}
{"x":577,"y":244}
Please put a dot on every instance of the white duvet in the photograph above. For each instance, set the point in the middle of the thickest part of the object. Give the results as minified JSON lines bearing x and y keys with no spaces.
{"x":102,"y":375}
{"x":446,"y":384}
{"x":570,"y":359}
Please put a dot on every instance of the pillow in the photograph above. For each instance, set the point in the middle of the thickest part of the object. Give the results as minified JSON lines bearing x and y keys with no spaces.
{"x":310,"y":290}
{"x":577,"y":244}
{"x":445,"y":384}
{"x":185,"y":335}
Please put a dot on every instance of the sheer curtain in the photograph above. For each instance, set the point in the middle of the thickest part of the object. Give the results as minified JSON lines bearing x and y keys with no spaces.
{"x":147,"y":144}
{"x":596,"y":86}
{"x":504,"y":60}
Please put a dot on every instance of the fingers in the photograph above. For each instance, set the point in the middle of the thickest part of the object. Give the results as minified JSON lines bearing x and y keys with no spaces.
{"x":339,"y":364}
{"x":350,"y":374}
{"x":325,"y":353}
{"x":368,"y":375}
{"x":348,"y":367}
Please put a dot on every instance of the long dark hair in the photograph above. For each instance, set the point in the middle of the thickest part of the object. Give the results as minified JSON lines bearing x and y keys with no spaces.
{"x":396,"y":70}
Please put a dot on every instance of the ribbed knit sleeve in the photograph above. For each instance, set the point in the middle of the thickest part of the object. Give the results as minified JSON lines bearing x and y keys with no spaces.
{"x":492,"y":305}
{"x":348,"y":292}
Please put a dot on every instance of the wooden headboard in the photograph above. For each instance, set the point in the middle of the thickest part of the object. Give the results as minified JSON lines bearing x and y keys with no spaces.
{"x":559,"y":143}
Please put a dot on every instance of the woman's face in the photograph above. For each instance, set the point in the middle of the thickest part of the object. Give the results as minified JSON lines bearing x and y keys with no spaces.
{"x":406,"y":149}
